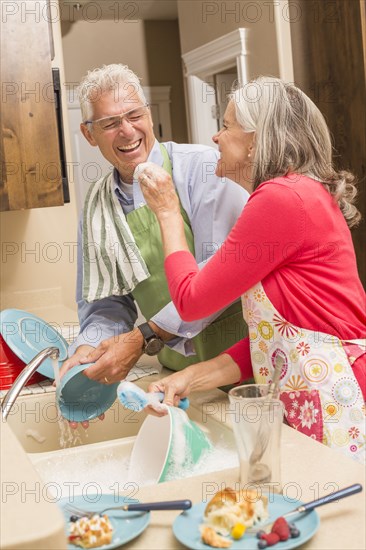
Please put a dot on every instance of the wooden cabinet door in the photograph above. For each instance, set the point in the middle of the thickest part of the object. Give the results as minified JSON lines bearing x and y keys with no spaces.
{"x":31,"y":168}
{"x":329,"y":65}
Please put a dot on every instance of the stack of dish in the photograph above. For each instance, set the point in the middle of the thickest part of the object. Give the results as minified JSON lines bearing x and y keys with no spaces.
{"x":23,"y":336}
{"x":11,"y":366}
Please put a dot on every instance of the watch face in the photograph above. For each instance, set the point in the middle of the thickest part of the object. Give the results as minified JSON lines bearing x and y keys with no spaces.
{"x":153,"y":346}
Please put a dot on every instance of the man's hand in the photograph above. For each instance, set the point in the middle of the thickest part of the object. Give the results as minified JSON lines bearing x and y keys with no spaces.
{"x":78,"y":358}
{"x":114,"y":358}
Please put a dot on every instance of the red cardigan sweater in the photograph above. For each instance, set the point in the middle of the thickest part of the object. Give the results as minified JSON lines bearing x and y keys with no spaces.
{"x":293,"y":238}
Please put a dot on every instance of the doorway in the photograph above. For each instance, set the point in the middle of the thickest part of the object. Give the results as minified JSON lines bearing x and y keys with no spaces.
{"x":210,"y":72}
{"x":224,"y":82}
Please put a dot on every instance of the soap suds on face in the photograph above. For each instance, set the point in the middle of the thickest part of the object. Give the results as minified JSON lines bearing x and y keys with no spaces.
{"x":154,"y":171}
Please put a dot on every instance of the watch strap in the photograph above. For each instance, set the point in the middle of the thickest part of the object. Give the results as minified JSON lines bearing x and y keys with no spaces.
{"x":147,"y":332}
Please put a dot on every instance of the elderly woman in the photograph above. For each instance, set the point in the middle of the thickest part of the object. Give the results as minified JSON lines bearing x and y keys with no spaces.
{"x":291,"y":259}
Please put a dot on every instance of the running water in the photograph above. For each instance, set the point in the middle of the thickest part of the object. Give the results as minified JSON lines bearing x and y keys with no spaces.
{"x":56,"y":370}
{"x":68,"y":437}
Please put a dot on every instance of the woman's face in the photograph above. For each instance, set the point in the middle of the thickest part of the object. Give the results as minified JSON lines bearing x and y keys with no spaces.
{"x":237,"y":150}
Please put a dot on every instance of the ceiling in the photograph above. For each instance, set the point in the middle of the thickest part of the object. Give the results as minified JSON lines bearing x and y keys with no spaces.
{"x":118,"y":10}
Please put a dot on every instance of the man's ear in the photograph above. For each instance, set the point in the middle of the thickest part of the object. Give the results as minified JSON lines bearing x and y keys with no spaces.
{"x":87,"y":134}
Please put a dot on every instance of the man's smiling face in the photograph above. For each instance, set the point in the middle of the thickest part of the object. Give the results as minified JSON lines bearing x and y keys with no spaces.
{"x":129,"y":143}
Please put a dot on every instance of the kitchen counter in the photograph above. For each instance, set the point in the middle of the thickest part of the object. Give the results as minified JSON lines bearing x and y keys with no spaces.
{"x":28,"y":517}
{"x":309,"y":470}
{"x":32,"y":521}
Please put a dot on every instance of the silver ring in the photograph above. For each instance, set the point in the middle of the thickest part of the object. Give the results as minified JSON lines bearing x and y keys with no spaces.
{"x":106,"y":379}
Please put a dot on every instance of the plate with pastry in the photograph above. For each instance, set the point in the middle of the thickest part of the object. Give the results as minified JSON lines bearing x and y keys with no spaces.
{"x":230,"y":517}
{"x":110,"y":530}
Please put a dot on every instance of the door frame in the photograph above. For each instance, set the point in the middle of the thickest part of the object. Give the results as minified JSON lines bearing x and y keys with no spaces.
{"x":201,"y":63}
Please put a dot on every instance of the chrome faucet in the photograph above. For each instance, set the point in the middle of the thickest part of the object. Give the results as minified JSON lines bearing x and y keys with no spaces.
{"x":23,"y":378}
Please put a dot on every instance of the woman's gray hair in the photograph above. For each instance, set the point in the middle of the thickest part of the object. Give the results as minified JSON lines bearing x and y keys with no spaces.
{"x":104,"y":79}
{"x":291,"y":135}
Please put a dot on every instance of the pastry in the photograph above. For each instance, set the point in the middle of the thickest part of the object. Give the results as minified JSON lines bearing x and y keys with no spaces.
{"x":91,"y":532}
{"x":228,"y":508}
{"x":210,"y":537}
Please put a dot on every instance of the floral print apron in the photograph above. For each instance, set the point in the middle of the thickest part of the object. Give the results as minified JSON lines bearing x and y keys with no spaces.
{"x":321,"y":395}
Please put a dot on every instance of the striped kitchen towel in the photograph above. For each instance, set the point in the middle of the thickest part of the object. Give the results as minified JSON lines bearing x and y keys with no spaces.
{"x":112,"y":263}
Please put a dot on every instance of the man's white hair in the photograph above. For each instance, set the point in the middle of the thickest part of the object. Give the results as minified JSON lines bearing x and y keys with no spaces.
{"x":104,"y":79}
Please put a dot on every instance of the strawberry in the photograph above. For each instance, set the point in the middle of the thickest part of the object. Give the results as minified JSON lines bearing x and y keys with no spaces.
{"x":271,"y":538}
{"x":282,"y":529}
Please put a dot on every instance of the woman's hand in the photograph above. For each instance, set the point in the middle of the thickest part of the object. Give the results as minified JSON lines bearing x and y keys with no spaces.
{"x":175,"y":387}
{"x":160,"y":195}
{"x":219,"y":371}
{"x":158,"y":189}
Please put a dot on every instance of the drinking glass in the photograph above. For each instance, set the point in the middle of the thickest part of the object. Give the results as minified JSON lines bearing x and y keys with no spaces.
{"x":257,"y":422}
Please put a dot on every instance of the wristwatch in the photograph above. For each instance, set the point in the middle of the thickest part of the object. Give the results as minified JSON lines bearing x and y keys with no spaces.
{"x":153,"y":344}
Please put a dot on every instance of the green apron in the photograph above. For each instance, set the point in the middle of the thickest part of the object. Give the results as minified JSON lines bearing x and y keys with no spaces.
{"x":153,"y":294}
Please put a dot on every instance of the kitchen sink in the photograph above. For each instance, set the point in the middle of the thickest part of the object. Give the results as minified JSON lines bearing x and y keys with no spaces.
{"x":95,"y":460}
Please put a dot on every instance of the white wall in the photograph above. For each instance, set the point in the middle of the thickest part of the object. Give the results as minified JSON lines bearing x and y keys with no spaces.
{"x":201,"y":21}
{"x":87,"y":45}
{"x":150,"y":48}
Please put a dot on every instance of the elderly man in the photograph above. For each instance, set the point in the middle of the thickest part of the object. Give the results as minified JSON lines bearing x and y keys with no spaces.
{"x":120,"y":256}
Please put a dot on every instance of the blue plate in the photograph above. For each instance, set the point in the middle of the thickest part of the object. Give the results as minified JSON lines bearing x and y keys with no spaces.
{"x":27,"y":335}
{"x":80,"y":398}
{"x":126,"y":525}
{"x":186,"y":526}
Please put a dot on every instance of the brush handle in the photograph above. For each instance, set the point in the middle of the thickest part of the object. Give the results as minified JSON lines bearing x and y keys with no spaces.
{"x":167,"y":505}
{"x":183,"y":403}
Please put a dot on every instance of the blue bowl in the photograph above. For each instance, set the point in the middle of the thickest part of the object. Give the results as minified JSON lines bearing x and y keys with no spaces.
{"x":80,"y":398}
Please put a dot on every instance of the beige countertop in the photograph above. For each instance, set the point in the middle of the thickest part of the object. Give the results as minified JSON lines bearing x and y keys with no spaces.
{"x":309,"y":469}
{"x":28,"y":519}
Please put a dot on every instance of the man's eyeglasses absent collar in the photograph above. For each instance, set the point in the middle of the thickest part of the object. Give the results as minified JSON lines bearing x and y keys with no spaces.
{"x":110,"y":123}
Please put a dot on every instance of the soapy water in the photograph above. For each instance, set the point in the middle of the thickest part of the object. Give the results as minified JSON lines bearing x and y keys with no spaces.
{"x":80,"y":475}
{"x":179,"y":450}
{"x":212,"y":460}
{"x":109,"y":473}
